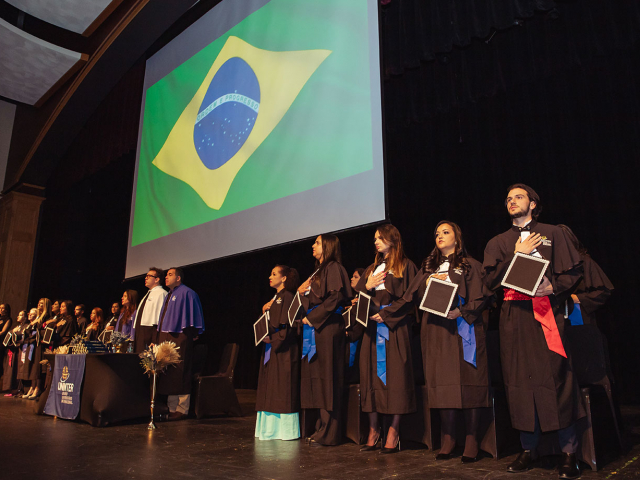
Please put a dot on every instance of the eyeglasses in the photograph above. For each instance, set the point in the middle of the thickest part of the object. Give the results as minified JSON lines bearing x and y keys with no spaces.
{"x":151,"y":276}
{"x":515,"y":197}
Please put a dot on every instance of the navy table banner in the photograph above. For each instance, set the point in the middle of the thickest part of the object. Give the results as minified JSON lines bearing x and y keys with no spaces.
{"x":64,"y":396}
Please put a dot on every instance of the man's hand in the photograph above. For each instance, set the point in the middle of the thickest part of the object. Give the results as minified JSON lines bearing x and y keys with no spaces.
{"x":545,"y":288}
{"x":453,"y":314}
{"x":306,"y":322}
{"x":529,"y":244}
{"x":374,"y":280}
{"x":376,"y":318}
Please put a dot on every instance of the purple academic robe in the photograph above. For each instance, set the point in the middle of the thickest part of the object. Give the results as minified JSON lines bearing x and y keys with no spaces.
{"x":127,"y":328}
{"x":180,"y":321}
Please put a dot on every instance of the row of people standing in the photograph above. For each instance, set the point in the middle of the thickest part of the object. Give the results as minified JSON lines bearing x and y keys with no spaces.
{"x":542,"y":391}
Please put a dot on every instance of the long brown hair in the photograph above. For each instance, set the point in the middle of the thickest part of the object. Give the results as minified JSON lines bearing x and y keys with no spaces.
{"x":131,"y":307}
{"x":435,"y":258}
{"x":396,"y":260}
{"x":99,"y":315}
{"x":292,"y":282}
{"x":330,"y":253}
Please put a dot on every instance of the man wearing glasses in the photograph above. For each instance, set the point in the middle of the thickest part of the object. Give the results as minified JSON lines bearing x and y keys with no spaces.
{"x":542,"y":391}
{"x":146,"y":321}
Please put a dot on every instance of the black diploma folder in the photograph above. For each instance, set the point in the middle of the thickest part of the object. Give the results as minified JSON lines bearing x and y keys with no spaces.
{"x":525,"y":273}
{"x":438,"y":297}
{"x":294,"y":308}
{"x":362,"y":308}
{"x":261,"y":328}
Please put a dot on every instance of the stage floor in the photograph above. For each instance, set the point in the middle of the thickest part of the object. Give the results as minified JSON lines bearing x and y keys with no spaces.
{"x":41,"y":447}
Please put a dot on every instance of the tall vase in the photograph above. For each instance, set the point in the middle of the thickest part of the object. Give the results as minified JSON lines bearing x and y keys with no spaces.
{"x":151,"y":425}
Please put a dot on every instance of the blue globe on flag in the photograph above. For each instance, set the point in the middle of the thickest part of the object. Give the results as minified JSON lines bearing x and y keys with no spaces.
{"x":227,"y":114}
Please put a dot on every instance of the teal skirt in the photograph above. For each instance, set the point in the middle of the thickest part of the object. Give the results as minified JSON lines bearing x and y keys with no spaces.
{"x":277,"y":426}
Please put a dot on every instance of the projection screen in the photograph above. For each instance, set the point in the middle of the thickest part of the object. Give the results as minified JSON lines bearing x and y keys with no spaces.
{"x":260,"y":125}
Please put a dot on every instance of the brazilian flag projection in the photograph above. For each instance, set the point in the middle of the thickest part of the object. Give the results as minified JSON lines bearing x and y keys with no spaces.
{"x":278,"y":105}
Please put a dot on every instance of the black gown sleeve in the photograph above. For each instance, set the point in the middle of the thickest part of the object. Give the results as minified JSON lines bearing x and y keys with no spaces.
{"x":495,"y":265}
{"x":476,"y":294}
{"x":335,"y":295}
{"x":597,"y":287}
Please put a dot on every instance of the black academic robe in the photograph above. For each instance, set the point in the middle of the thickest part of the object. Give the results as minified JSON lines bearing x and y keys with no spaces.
{"x":536,"y":379}
{"x":33,"y":336}
{"x":92,"y":334}
{"x":354,"y":336}
{"x":322,"y":378}
{"x":25,"y":352}
{"x":398,"y":395}
{"x":593,"y":291}
{"x":7,"y":354}
{"x":65,"y":332}
{"x":279,"y":380}
{"x":451,"y":382}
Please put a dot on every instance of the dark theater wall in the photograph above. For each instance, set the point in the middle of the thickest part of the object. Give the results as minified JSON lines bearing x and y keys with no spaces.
{"x":553,"y":102}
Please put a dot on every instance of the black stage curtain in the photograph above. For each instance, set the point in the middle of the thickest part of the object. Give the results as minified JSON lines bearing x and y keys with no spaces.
{"x":553,"y":102}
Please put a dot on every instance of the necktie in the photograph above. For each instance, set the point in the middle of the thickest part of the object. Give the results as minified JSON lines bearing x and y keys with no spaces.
{"x":141,"y":309}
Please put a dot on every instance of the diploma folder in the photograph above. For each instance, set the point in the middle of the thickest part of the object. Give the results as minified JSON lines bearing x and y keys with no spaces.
{"x":362,"y":308}
{"x":348,"y":317}
{"x":105,"y":336}
{"x":261,"y":328}
{"x":525,"y":273}
{"x":48,"y":335}
{"x":294,"y":308}
{"x":7,"y":339}
{"x":438,"y":297}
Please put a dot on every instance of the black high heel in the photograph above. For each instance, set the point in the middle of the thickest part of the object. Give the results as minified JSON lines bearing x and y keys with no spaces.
{"x":395,"y":449}
{"x":371,"y":448}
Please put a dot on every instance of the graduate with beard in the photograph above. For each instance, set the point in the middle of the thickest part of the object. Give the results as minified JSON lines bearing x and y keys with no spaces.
{"x":386,"y":370}
{"x":278,"y":394}
{"x":542,"y":391}
{"x":181,"y":321}
{"x":324,"y":296}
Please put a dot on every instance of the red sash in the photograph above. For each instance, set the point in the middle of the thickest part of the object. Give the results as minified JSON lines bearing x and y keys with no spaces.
{"x":543,"y":313}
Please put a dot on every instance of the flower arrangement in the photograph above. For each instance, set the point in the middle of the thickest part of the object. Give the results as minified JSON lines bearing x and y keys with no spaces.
{"x":156,"y":358}
{"x":119,"y":338}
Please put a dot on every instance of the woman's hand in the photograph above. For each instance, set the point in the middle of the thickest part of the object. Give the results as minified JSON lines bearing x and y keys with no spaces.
{"x":374,"y":280}
{"x":529,"y":244}
{"x":545,"y":288}
{"x":575,"y":298}
{"x":60,"y":323}
{"x":306,"y":322}
{"x":267,"y":339}
{"x":453,"y":314}
{"x":110,"y":327}
{"x":267,"y":306}
{"x":354,"y":301}
{"x":302,"y":289}
{"x":376,"y":318}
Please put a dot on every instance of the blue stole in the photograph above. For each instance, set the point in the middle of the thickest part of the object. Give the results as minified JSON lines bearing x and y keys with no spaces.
{"x":309,"y":336}
{"x":353,"y":348}
{"x":382,"y":337}
{"x":468,"y":335}
{"x":576,"y":315}
{"x":267,"y":349}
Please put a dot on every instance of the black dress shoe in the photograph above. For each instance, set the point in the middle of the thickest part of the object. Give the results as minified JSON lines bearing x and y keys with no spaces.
{"x":522,"y":463}
{"x":568,"y":468}
{"x":466,"y":459}
{"x":395,"y":449}
{"x":443,"y":456}
{"x":371,"y":448}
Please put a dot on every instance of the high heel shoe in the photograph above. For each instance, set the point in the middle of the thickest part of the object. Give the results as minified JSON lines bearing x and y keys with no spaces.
{"x":371,"y":448}
{"x":395,"y":449}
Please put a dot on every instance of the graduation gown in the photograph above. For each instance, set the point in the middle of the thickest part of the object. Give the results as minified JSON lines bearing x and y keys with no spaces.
{"x":7,"y":353}
{"x":127,"y":328}
{"x":451,"y":382}
{"x":279,"y":380}
{"x":354,"y":336}
{"x":180,"y":321}
{"x":398,"y":395}
{"x":33,"y":336}
{"x":536,"y":378}
{"x":322,"y":378}
{"x":25,"y":352}
{"x":593,"y":291}
{"x":64,"y":333}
